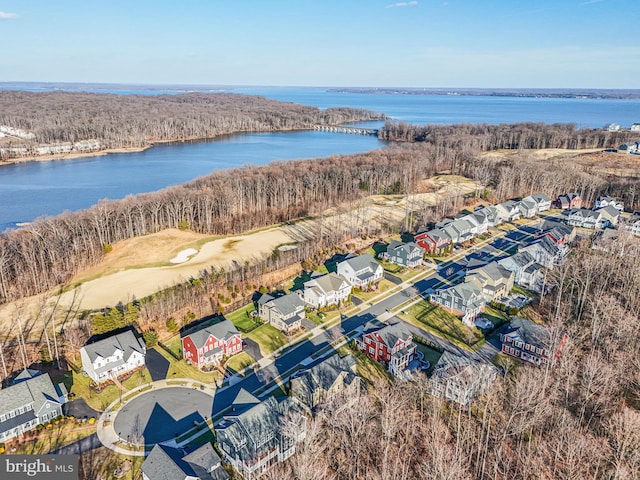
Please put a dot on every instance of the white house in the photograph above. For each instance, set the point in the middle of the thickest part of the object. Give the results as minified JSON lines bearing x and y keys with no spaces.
{"x":606,"y":201}
{"x":326,"y":290}
{"x":113,"y":356}
{"x":635,"y":127}
{"x":361,"y":271}
{"x":612,"y":127}
{"x":633,"y":224}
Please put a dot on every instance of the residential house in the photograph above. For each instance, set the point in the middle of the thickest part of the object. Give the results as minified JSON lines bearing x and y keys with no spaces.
{"x":632,"y":224}
{"x":612,"y":127}
{"x":630,"y":147}
{"x":635,"y":127}
{"x":568,"y":201}
{"x":312,"y":386}
{"x":460,"y":230}
{"x":391,"y":345}
{"x":477,"y":227}
{"x":208,"y":342}
{"x":490,"y":213}
{"x":361,"y":271}
{"x":610,"y":216}
{"x":509,"y":211}
{"x":464,"y":300}
{"x":593,"y":219}
{"x":526,"y":271}
{"x":559,"y":233}
{"x":113,"y":356}
{"x":434,"y":241}
{"x":528,"y":341}
{"x":528,"y":207}
{"x":483,"y":219}
{"x":31,"y":400}
{"x":606,"y":201}
{"x":542,"y":201}
{"x":285,"y":312}
{"x":168,"y":463}
{"x":493,"y":279}
{"x":326,"y":290}
{"x":404,"y":254}
{"x":460,"y":379}
{"x":545,"y":252}
{"x":254,"y":435}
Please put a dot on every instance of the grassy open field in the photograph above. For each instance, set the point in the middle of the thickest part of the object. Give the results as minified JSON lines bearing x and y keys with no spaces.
{"x":269,"y":338}
{"x":180,"y":369}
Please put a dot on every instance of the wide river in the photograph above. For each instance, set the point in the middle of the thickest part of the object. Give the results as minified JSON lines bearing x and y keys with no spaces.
{"x":33,"y":189}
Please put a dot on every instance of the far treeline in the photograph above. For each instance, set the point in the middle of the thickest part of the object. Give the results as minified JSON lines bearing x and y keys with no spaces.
{"x":51,"y":251}
{"x":487,"y":137}
{"x":118,"y":121}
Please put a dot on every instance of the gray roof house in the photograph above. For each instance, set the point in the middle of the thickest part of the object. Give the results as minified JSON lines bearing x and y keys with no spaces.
{"x":495,"y":280}
{"x":465,"y":300}
{"x":545,"y":251}
{"x":326,"y":290}
{"x":361,"y":271}
{"x":168,"y":463}
{"x":491,"y":213}
{"x":602,"y":218}
{"x":312,"y":386}
{"x":509,"y":210}
{"x":528,"y":207}
{"x":632,"y":224}
{"x":404,"y":254}
{"x":542,"y":201}
{"x":527,"y":341}
{"x":525,"y":269}
{"x":285,"y":312}
{"x":209,"y":342}
{"x":113,"y":356}
{"x":606,"y":201}
{"x":460,"y":379}
{"x":255,"y":435}
{"x":30,"y":401}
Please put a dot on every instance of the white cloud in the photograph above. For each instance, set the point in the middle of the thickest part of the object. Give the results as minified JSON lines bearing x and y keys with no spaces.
{"x":7,"y":15}
{"x":402,"y":4}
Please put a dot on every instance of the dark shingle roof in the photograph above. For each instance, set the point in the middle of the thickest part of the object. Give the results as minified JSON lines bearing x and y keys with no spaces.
{"x":167,"y":463}
{"x":286,"y":304}
{"x":528,"y":331}
{"x":38,"y":389}
{"x":324,"y":374}
{"x":221,"y":329}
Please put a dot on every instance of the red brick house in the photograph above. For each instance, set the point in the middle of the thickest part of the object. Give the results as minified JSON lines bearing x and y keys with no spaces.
{"x":567,"y":201}
{"x":206,"y":343}
{"x":433,"y":241}
{"x":391,"y":345}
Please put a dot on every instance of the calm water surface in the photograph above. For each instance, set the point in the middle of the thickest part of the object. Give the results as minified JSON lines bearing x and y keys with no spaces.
{"x":33,"y":189}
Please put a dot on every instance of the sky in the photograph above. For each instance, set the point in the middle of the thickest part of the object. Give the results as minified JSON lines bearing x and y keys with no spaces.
{"x":368,"y":43}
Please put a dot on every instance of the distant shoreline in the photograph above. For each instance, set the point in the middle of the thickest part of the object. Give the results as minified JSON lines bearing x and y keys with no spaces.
{"x":72,"y":155}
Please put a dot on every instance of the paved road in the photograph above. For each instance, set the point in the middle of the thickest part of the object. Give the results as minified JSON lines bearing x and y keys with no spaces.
{"x":157,"y":365}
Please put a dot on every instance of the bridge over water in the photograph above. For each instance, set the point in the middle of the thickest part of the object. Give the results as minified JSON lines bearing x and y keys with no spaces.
{"x":349,"y":130}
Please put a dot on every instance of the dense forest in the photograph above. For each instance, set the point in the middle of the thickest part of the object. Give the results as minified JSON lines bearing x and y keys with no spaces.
{"x":117,"y":121}
{"x":486,"y":137}
{"x":51,"y":250}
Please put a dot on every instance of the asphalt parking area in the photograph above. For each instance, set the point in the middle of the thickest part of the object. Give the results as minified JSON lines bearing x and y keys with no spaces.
{"x":161,"y":415}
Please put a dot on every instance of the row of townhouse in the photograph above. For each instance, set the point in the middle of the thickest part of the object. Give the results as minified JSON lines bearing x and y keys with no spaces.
{"x":487,"y":282}
{"x":465,"y":226}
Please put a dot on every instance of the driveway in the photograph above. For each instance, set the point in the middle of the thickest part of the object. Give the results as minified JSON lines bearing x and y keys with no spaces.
{"x":392,"y":278}
{"x":308,"y":324}
{"x":79,"y":409}
{"x":83,"y":445}
{"x":252,"y":348}
{"x":157,"y":365}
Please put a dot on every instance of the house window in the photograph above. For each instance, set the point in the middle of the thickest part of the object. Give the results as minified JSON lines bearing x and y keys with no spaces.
{"x":371,"y":350}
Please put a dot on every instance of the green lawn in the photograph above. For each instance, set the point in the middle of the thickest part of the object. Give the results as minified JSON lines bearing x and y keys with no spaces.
{"x":238,"y":362}
{"x":175,"y":345}
{"x":180,"y":369}
{"x":522,"y":291}
{"x":383,"y":286}
{"x":78,"y":384}
{"x":442,"y":323}
{"x":369,"y":369}
{"x":241,"y":318}
{"x":318,"y":317}
{"x":269,"y":338}
{"x":495,"y":316}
